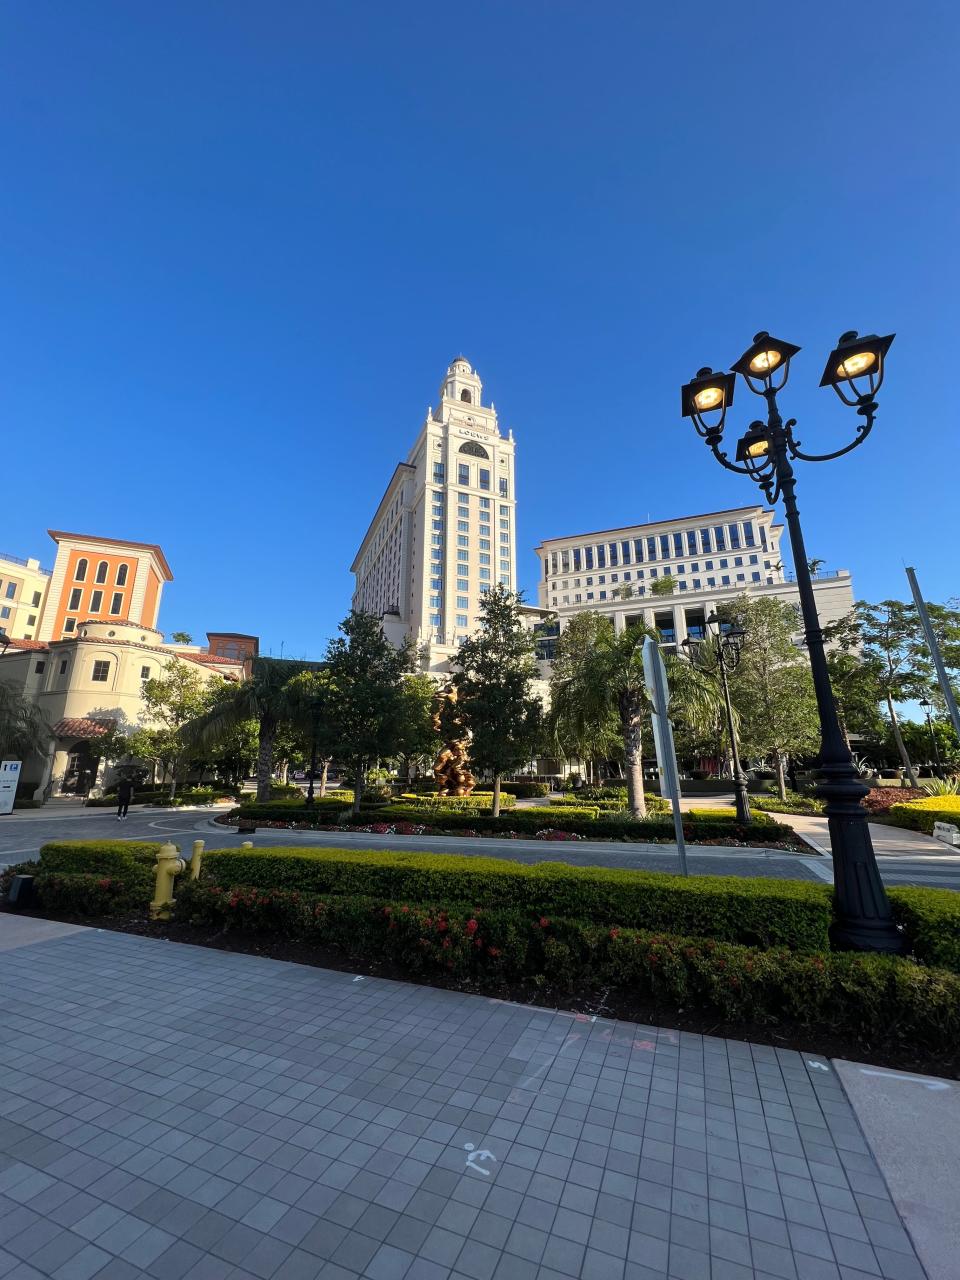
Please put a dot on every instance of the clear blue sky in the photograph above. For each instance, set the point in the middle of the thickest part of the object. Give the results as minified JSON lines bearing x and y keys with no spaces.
{"x":242,"y":239}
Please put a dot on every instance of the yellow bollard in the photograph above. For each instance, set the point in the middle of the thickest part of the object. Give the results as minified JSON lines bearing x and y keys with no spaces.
{"x":169,"y":866}
{"x":196,"y":859}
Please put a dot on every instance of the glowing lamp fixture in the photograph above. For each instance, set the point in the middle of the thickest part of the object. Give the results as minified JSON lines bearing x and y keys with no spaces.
{"x":763,"y":359}
{"x":855,"y":357}
{"x":754,"y":446}
{"x":708,"y":392}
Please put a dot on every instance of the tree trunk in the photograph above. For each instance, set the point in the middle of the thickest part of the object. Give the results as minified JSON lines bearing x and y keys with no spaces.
{"x":496,"y":795}
{"x":173,"y":781}
{"x":359,"y":785}
{"x":901,"y":745}
{"x":323,"y":778}
{"x":268,"y":730}
{"x":633,"y":755}
{"x":781,"y":780}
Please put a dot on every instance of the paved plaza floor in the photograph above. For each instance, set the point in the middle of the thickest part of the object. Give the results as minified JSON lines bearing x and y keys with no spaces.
{"x":170,"y":1111}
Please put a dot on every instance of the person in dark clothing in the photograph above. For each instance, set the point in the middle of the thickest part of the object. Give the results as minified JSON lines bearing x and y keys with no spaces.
{"x":124,"y":796}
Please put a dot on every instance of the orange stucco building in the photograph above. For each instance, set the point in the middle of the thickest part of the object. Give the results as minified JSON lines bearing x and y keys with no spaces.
{"x":102,"y":580}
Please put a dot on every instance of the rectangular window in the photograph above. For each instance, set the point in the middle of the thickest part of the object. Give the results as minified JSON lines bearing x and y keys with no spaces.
{"x":601,"y":557}
{"x":588,"y":558}
{"x":651,"y":548}
{"x":589,"y":582}
{"x":463,"y":513}
{"x":753,"y":560}
{"x":691,"y":542}
{"x":436,"y":584}
{"x":461,"y":619}
{"x":74,"y":598}
{"x":505,"y":538}
{"x":436,"y":539}
{"x":589,"y":595}
{"x":437,"y":509}
{"x":576,"y":551}
{"x":435,"y":554}
{"x":11,"y":590}
{"x":484,"y":531}
{"x":485,"y":577}
{"x":638,"y":550}
{"x":683,"y":586}
{"x":763,"y":537}
{"x":719,"y":540}
{"x":484,"y":504}
{"x":63,"y":667}
{"x":694,"y":567}
{"x":626,"y":576}
{"x":734,"y":537}
{"x":437,"y":524}
{"x":738,"y":561}
{"x":122,"y":576}
{"x":678,"y":544}
{"x":755,"y":577}
{"x":705,"y":544}
{"x":101,"y":670}
{"x":463,"y":473}
{"x":484,"y":559}
{"x":434,"y":602}
{"x":144,"y":673}
{"x":505,"y":565}
{"x":603,"y":595}
{"x":602,"y":579}
{"x":725,"y":580}
{"x":577,"y":598}
{"x":463,"y":556}
{"x":31,"y":620}
{"x":564,"y":561}
{"x":40,"y":668}
{"x":503,"y":486}
{"x":708,"y":564}
{"x":435,"y":620}
{"x":484,"y":478}
{"x":37,"y":597}
{"x":462,"y":540}
{"x":711,"y":582}
{"x":438,"y":473}
{"x":748,"y":538}
{"x":463,"y":602}
{"x":101,"y":572}
{"x":723,"y":562}
{"x":696,"y":584}
{"x":664,"y":546}
{"x":5,"y":611}
{"x":505,"y":524}
{"x":96,"y":601}
{"x":614,"y":558}
{"x":624,"y":552}
{"x":505,"y":582}
{"x":484,"y":544}
{"x":116,"y":604}
{"x":463,"y":584}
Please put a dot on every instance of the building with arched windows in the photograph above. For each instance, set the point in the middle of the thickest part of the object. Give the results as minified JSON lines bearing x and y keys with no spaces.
{"x":445,"y":529}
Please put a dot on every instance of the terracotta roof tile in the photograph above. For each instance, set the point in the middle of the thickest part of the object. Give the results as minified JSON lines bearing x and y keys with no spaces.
{"x":28,"y":644}
{"x":83,"y":727}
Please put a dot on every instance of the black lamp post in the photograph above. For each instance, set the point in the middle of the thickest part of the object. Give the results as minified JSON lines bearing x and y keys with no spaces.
{"x":855,"y":371}
{"x":933,"y":737}
{"x":725,"y":645}
{"x":314,"y":734}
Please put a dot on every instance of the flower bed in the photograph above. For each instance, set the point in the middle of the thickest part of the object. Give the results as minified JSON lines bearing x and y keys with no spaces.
{"x":882,"y":799}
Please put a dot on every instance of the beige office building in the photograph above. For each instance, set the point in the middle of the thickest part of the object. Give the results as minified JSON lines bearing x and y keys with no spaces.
{"x":709,"y":559}
{"x":23,"y":590}
{"x":445,"y":528}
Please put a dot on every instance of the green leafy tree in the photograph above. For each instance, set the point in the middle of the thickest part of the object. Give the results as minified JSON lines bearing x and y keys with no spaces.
{"x":889,"y":636}
{"x":367,"y":679}
{"x":181,"y":637}
{"x":772,"y":688}
{"x":420,"y":742}
{"x":313,"y":700}
{"x":263,"y":698}
{"x":23,"y":729}
{"x":173,"y":699}
{"x":604,"y":685}
{"x":917,"y":739}
{"x":494,"y":673}
{"x":665,"y":586}
{"x":573,"y":726}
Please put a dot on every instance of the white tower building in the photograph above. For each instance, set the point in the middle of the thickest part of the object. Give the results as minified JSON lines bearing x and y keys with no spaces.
{"x":445,"y":528}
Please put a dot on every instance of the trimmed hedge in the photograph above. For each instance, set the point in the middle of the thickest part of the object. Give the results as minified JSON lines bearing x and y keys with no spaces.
{"x":705,"y":825}
{"x":321,"y":812}
{"x":525,"y":790}
{"x":931,"y":921}
{"x":161,"y":797}
{"x":481,"y":800}
{"x":96,"y":877}
{"x":920,"y":815}
{"x":755,"y":911}
{"x":878,"y":998}
{"x":98,"y":857}
{"x":794,"y":803}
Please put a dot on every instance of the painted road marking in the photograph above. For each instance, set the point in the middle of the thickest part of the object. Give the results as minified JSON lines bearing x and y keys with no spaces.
{"x":817,"y":1066}
{"x":477,"y":1155}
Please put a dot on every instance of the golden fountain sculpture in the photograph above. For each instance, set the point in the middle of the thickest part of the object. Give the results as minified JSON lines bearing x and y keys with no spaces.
{"x":451,"y":768}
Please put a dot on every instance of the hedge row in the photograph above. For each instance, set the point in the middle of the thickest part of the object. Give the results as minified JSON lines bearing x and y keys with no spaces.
{"x":878,"y":998}
{"x":482,"y":800}
{"x":794,"y":803}
{"x":931,"y":921}
{"x":707,"y":824}
{"x":189,"y":795}
{"x":765,"y":912}
{"x":92,"y":877}
{"x":920,"y":815}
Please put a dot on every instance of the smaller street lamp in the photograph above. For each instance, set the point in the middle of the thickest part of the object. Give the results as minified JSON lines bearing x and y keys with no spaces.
{"x":726,"y":644}
{"x":933,"y":737}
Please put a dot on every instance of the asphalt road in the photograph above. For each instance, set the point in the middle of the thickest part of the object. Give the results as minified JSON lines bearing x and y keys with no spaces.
{"x":22,"y":834}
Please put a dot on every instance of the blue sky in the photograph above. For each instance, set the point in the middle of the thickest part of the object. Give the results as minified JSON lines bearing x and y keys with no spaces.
{"x":242,"y":240}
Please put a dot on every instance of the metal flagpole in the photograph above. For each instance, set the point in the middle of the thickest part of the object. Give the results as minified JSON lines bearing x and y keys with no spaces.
{"x":935,"y":653}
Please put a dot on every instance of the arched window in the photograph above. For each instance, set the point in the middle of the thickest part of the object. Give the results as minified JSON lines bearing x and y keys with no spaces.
{"x":81,"y":571}
{"x":465,"y":395}
{"x":121,"y":576}
{"x":102,"y":571}
{"x":475,"y":450}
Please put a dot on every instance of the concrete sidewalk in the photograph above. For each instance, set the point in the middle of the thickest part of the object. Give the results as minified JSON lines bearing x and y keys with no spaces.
{"x":896,"y":842}
{"x":171,"y":1111}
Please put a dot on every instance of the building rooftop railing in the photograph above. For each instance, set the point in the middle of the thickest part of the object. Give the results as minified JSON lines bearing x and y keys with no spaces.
{"x":26,"y":564}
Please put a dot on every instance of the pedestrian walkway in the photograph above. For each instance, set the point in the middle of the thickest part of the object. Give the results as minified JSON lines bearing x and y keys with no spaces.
{"x":175,"y":1112}
{"x":896,"y":842}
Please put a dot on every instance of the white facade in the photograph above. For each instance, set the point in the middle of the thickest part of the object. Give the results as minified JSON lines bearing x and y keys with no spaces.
{"x":445,"y":529}
{"x":710,"y":559}
{"x":23,"y":591}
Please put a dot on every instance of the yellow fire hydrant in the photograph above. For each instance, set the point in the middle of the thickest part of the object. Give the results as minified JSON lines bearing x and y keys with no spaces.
{"x":169,"y":866}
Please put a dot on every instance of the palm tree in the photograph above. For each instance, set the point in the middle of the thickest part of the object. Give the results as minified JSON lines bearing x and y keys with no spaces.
{"x":23,"y":730}
{"x":265,"y":698}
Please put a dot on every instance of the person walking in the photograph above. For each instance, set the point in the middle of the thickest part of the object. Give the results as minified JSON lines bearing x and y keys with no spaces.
{"x":124,"y":796}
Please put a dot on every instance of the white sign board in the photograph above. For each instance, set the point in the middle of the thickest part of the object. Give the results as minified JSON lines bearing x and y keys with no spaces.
{"x":655,"y":676}
{"x":947,"y":832}
{"x":9,"y":777}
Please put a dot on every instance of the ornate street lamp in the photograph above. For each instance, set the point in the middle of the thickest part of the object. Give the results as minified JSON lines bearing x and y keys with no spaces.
{"x":764,"y":453}
{"x":933,"y":737}
{"x":725,"y":644}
